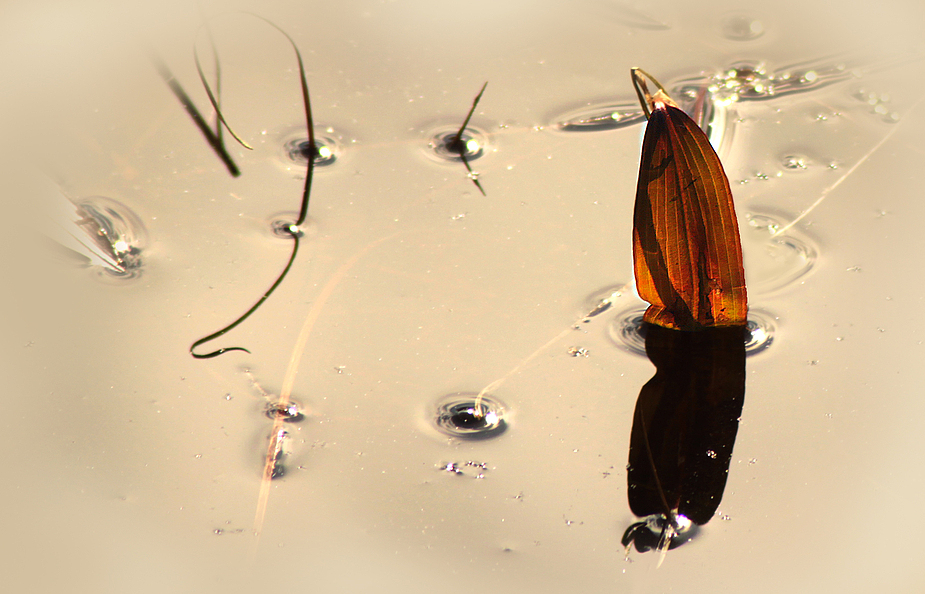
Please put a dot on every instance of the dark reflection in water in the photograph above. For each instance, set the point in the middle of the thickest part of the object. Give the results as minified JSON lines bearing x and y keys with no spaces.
{"x":684,"y":429}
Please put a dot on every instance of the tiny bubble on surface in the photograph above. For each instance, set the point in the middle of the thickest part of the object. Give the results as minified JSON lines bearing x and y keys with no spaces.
{"x":578,"y":351}
{"x":742,"y":27}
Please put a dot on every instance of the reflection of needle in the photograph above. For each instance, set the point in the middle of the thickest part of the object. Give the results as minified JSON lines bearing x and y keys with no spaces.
{"x":71,"y":227}
{"x":825,"y":192}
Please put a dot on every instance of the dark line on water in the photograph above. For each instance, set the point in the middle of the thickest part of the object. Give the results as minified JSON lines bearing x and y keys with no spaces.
{"x":214,"y":141}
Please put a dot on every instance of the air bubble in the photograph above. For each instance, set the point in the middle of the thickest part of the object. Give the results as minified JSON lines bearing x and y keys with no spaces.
{"x":751,"y":80}
{"x":794,"y":162}
{"x":743,"y":80}
{"x":445,"y":146}
{"x":460,"y":415}
{"x":116,"y":230}
{"x":742,"y":27}
{"x":878,"y":102}
{"x":629,"y":331}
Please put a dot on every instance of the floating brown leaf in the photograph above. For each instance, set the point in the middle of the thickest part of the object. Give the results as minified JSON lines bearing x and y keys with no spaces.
{"x":686,"y":248}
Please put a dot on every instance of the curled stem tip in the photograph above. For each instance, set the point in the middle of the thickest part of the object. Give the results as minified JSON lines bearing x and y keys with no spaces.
{"x":647,"y":100}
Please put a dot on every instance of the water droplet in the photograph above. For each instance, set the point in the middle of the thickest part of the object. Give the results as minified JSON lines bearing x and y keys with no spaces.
{"x":289,"y":412}
{"x":601,"y":117}
{"x":457,"y":415}
{"x":794,"y":162}
{"x":629,"y":331}
{"x":774,"y":261}
{"x":444,"y":145}
{"x":116,"y":230}
{"x":741,"y":27}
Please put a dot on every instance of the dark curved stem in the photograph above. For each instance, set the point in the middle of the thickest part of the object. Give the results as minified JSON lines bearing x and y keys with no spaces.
{"x":233,"y":325}
{"x":292,"y":230}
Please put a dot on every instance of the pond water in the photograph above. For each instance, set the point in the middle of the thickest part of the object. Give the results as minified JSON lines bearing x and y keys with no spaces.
{"x":133,"y":467}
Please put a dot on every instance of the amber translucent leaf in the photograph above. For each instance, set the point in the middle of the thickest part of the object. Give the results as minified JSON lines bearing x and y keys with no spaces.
{"x":686,"y":248}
